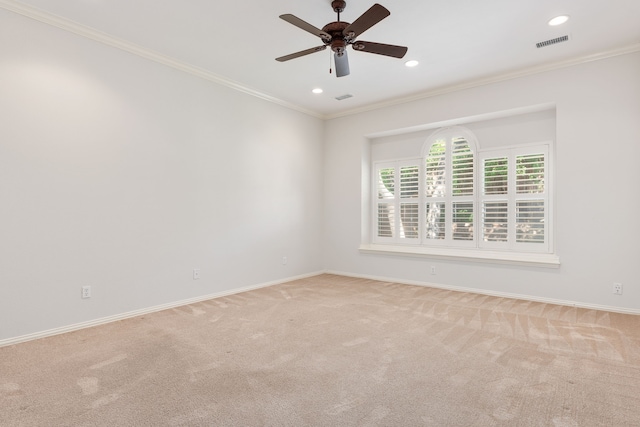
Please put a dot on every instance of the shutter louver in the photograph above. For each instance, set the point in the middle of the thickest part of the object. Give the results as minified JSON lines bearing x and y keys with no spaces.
{"x":530,"y":174}
{"x":495,"y":221}
{"x":462,"y":221}
{"x":386,"y":183}
{"x":409,"y":181}
{"x":530,"y":221}
{"x":462,"y":168}
{"x":435,"y":221}
{"x":496,"y":176}
{"x":435,"y":170}
{"x":409,"y":220}
{"x":386,"y":219}
{"x":409,"y":211}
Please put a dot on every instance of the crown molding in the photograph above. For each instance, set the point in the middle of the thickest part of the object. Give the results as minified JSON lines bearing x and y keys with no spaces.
{"x":492,"y":79}
{"x":104,"y":38}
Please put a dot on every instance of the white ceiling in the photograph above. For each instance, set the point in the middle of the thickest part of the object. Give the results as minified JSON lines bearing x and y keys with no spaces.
{"x":458,"y":42}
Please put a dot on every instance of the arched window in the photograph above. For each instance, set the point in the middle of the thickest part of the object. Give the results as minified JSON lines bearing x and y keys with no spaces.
{"x":458,"y":196}
{"x":449,"y":190}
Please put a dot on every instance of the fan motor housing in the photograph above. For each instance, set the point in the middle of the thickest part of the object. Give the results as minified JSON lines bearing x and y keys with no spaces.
{"x":338,"y":42}
{"x":338,"y":5}
{"x":335,"y":28}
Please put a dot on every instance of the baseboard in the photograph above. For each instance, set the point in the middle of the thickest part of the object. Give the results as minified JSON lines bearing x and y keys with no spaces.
{"x":148,"y":310}
{"x":612,"y":309}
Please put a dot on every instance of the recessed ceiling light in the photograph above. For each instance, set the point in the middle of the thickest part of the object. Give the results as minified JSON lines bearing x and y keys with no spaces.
{"x":411,"y":63}
{"x":317,"y":90}
{"x":559,"y":20}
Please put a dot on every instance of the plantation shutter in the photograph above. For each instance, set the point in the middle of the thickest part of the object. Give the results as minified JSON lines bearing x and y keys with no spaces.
{"x":495,"y":206}
{"x":531,"y":200}
{"x":458,"y":197}
{"x":436,"y":170}
{"x":435,"y":181}
{"x":449,"y":204}
{"x":397,"y":202}
{"x":385,"y":186}
{"x":462,"y":168}
{"x":514,"y":199}
{"x":462,"y":194}
{"x":409,"y":202}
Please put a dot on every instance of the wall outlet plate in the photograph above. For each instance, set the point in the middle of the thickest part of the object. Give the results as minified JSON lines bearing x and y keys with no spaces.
{"x":617,"y":288}
{"x":86,"y":292}
{"x":196,"y":273}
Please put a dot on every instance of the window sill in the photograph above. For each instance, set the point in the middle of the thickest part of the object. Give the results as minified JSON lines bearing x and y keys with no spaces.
{"x":473,"y":255}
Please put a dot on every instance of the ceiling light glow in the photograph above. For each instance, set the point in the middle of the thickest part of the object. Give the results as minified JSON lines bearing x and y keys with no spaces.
{"x":317,"y":90}
{"x":411,"y":63}
{"x":559,"y":20}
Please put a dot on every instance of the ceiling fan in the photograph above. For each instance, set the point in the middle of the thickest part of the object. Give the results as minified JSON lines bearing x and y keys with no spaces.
{"x":338,"y":35}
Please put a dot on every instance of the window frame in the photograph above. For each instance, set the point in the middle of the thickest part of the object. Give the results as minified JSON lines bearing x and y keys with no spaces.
{"x":511,"y":252}
{"x":449,"y":198}
{"x":513,"y":197}
{"x":397,"y":201}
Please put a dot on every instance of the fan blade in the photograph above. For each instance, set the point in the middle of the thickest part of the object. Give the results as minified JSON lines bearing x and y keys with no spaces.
{"x":301,"y":53}
{"x":380,"y":48}
{"x":305,"y":26}
{"x":342,"y":64}
{"x":371,"y":17}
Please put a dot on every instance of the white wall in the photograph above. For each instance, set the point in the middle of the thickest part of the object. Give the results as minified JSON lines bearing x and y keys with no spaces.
{"x":597,"y":176}
{"x":123,"y":174}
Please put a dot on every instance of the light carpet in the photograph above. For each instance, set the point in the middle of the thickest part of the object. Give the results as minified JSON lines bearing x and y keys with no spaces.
{"x":334,"y":351}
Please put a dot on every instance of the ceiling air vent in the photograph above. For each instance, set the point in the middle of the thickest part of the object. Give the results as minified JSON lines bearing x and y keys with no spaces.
{"x":345,"y":96}
{"x":552,"y":41}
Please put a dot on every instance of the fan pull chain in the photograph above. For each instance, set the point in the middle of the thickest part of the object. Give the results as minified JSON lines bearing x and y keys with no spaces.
{"x":330,"y":71}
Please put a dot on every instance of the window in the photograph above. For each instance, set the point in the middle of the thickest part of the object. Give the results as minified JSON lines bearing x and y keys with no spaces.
{"x":514,"y":199}
{"x":457,"y":196}
{"x":450,"y":202}
{"x":398,"y":212}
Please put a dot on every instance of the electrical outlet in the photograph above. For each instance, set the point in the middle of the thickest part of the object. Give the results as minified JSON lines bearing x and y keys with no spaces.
{"x":284,"y":260}
{"x":196,"y":273}
{"x":86,"y":292}
{"x":617,"y":288}
{"x":433,"y":269}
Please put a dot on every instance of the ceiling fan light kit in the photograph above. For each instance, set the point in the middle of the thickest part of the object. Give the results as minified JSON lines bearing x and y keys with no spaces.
{"x":338,"y":35}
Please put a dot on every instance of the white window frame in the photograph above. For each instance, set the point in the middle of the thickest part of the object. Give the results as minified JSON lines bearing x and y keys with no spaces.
{"x":510,"y":252}
{"x":396,"y":201}
{"x":512,"y":197}
{"x":449,"y":198}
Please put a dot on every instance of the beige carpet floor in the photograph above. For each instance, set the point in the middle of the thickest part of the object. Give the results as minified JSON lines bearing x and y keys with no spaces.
{"x":334,"y":351}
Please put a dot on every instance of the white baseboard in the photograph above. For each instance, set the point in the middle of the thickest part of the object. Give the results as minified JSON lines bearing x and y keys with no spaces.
{"x":491,"y":293}
{"x":148,"y":310}
{"x":142,"y":311}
